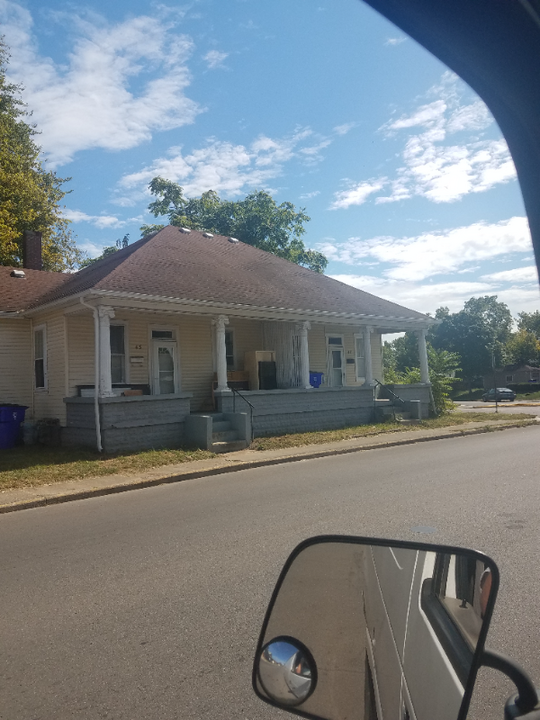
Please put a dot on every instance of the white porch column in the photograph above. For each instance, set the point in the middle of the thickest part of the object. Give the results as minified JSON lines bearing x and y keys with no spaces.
{"x":105,"y":315}
{"x":367,"y":355}
{"x":221,"y":352}
{"x":304,"y":354}
{"x":422,"y":353}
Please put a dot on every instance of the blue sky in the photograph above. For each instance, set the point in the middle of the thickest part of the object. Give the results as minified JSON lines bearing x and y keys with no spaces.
{"x":409,"y":185}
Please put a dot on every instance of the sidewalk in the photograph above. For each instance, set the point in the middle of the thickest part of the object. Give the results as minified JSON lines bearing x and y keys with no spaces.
{"x":25,"y":498}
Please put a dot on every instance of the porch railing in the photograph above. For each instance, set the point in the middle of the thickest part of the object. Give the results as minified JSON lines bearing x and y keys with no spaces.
{"x":235,"y":392}
{"x":395,"y":397}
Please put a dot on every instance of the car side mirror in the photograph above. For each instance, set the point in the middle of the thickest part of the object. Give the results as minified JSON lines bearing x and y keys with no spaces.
{"x":372,"y":629}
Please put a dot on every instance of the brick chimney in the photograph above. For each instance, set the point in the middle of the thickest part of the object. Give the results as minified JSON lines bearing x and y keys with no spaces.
{"x":31,"y":247}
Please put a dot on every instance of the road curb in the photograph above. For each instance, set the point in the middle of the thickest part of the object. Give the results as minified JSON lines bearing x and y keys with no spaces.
{"x":247,"y":465}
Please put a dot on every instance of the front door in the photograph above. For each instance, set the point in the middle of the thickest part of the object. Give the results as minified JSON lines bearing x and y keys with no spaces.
{"x":164,"y":367}
{"x":336,"y":367}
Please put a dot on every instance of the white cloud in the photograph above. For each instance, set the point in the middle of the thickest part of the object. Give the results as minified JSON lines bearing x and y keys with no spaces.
{"x":345,"y":128}
{"x":309,"y":195}
{"x":395,"y":41}
{"x":428,"y":297}
{"x":224,"y":167}
{"x":437,"y":253}
{"x":423,"y":298}
{"x":99,"y":221}
{"x":356,"y":195}
{"x":214,"y":59}
{"x":121,"y":82}
{"x":431,"y":166}
{"x":526,"y":274}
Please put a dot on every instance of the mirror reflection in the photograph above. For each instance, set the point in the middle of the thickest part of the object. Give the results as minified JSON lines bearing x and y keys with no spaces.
{"x":286,"y":671}
{"x":392,"y":630}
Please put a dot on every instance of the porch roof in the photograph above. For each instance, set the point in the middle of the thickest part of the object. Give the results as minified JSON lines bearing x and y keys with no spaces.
{"x":195,"y":267}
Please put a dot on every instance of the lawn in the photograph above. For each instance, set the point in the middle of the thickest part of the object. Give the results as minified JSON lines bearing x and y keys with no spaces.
{"x":40,"y":465}
{"x":452,"y":418}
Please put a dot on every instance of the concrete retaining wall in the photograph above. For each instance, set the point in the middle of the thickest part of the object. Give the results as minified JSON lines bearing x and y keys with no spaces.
{"x":298,"y":410}
{"x":415,"y":391}
{"x":128,"y":423}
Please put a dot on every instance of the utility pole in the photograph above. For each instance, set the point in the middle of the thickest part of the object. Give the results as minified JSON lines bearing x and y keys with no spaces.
{"x":494,"y":380}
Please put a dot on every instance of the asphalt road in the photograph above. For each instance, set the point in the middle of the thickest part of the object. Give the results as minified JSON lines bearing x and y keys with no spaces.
{"x":507,"y":408}
{"x":147,"y":605}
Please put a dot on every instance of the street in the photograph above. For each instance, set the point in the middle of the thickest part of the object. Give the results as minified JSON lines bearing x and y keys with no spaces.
{"x":148,"y":604}
{"x":510,"y":408}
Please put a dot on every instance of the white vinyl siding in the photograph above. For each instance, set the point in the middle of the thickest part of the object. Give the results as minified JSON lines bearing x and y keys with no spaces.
{"x":16,"y":367}
{"x":248,"y":335}
{"x":49,"y":403}
{"x":80,"y":332}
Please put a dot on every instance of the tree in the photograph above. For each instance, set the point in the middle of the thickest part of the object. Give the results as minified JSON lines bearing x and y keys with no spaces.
{"x":257,"y":220}
{"x":530,"y":322}
{"x":523,"y":348}
{"x":477,"y":333}
{"x":29,"y":195}
{"x":443,"y":366}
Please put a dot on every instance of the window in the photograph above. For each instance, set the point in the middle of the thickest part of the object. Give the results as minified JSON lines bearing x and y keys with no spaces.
{"x":40,"y":357}
{"x":360,"y":358}
{"x":162,"y":335}
{"x":335,"y":340}
{"x":454,"y":600}
{"x":509,"y":378}
{"x":229,"y":348}
{"x":118,"y":354}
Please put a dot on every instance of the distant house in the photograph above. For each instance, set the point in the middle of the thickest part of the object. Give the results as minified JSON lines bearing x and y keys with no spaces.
{"x":518,"y":374}
{"x":170,"y":327}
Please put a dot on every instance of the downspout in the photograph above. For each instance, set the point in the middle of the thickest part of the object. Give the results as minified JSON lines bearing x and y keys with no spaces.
{"x":96,"y":374}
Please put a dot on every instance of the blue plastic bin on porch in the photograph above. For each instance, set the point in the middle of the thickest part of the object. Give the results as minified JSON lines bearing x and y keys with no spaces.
{"x":11,"y":417}
{"x":315,"y":379}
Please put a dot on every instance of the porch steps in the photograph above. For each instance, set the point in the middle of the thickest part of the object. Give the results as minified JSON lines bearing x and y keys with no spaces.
{"x":402,"y":417}
{"x":230,"y":446}
{"x":224,"y":437}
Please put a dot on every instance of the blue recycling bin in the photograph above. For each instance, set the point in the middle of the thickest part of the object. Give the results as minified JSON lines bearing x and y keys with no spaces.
{"x":315,"y":379}
{"x":11,"y":417}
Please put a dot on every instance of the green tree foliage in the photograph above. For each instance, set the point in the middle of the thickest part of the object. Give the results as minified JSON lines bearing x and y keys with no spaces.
{"x":443,"y":367}
{"x":475,"y":333}
{"x":530,"y":322}
{"x":523,"y":348}
{"x":29,"y":195}
{"x":257,"y":220}
{"x":401,"y":353}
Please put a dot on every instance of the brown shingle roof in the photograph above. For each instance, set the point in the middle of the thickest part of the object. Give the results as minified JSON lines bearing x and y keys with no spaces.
{"x":190,"y":266}
{"x":17,"y":294}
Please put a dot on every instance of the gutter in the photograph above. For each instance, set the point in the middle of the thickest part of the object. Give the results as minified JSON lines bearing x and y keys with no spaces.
{"x":252,"y":311}
{"x":96,"y":373}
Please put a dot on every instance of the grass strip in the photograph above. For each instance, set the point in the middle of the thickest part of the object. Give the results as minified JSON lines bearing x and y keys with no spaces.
{"x":39,"y":465}
{"x":349,"y":433}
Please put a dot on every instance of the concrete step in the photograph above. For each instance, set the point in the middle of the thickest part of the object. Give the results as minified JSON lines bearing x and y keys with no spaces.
{"x":220,"y":425}
{"x":224,"y":435}
{"x":232,"y":446}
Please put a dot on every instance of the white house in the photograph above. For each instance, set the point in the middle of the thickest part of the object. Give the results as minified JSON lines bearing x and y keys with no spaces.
{"x":170,"y":327}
